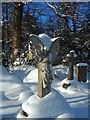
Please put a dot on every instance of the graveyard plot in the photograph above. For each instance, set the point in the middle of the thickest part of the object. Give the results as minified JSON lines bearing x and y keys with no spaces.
{"x":14,"y":98}
{"x":44,"y":59}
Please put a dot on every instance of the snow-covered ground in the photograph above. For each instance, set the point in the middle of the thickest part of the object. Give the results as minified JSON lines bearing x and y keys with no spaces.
{"x":14,"y":91}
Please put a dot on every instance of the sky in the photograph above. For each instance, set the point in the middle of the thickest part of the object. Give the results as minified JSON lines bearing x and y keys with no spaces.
{"x":43,"y":6}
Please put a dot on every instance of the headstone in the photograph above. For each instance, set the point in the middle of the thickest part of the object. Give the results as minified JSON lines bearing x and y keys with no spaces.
{"x":81,"y":72}
{"x":70,"y":60}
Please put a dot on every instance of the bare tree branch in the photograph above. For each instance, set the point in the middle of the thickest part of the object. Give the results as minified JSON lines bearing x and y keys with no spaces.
{"x":58,"y":14}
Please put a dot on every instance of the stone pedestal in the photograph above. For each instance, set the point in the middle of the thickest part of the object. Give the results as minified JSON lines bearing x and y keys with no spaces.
{"x":70,"y":71}
{"x":44,"y":79}
{"x":81,"y":72}
{"x":70,"y":60}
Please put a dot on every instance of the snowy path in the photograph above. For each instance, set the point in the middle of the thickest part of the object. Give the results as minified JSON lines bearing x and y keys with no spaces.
{"x":9,"y":108}
{"x":79,"y":103}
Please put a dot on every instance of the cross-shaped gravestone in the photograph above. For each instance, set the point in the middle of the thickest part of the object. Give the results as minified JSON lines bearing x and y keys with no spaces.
{"x":41,"y":46}
{"x":70,"y":60}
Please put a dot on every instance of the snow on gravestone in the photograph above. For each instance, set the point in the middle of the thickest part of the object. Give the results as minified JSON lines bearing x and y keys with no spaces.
{"x":41,"y":45}
{"x":51,"y":106}
{"x":46,"y":40}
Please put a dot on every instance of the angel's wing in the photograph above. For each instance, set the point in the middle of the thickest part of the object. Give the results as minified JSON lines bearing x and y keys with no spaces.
{"x":37,"y":45}
{"x":55,"y":45}
{"x":54,"y":49}
{"x":35,"y":40}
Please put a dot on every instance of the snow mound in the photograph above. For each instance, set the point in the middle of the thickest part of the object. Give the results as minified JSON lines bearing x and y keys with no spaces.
{"x":3,"y":70}
{"x":66,"y":115}
{"x":29,"y":68}
{"x":22,"y":72}
{"x":14,"y":93}
{"x":8,"y":81}
{"x":33,"y":87}
{"x":50,"y":106}
{"x":46,"y":40}
{"x":25,"y":95}
{"x":2,"y":96}
{"x":32,"y":77}
{"x":74,"y":87}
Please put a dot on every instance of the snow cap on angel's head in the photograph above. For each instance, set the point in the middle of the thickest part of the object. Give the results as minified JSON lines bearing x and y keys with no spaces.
{"x":46,"y":40}
{"x":44,"y":36}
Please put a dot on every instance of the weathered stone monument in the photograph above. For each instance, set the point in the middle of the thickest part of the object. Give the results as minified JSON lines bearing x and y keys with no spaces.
{"x":41,"y":47}
{"x":81,"y":72}
{"x":53,"y":105}
{"x":70,"y":60}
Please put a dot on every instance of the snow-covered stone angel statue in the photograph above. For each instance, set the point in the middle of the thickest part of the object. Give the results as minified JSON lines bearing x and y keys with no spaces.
{"x":43,"y":47}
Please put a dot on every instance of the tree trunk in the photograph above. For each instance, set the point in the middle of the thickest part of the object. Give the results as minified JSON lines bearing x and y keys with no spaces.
{"x":74,"y":20}
{"x":66,"y":24}
{"x":16,"y":38}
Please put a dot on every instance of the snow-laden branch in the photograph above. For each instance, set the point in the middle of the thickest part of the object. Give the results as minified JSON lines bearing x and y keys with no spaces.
{"x":62,"y":16}
{"x":54,"y":8}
